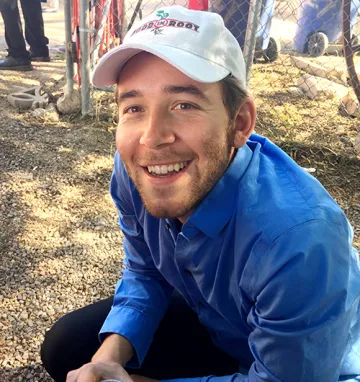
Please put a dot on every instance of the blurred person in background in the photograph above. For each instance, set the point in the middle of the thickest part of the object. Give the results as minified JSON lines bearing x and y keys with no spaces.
{"x":18,"y":57}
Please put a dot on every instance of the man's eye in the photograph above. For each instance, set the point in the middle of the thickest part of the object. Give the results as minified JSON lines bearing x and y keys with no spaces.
{"x":184,"y":106}
{"x":133,"y":109}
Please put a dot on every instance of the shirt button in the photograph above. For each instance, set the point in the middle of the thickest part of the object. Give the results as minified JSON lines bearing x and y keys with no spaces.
{"x":167,"y":225}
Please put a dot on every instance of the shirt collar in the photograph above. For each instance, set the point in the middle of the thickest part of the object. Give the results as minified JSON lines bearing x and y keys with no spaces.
{"x":216,"y":209}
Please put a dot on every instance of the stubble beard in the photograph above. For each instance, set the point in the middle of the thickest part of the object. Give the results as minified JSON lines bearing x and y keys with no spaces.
{"x":218,"y":159}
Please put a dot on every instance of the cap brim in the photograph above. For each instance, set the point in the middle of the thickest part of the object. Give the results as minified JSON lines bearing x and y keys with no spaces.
{"x":107,"y":71}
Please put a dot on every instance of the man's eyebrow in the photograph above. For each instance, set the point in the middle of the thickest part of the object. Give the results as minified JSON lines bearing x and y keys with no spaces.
{"x":126,"y":95}
{"x":190,"y":89}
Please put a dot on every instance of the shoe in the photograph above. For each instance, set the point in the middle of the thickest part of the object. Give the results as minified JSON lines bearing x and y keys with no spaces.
{"x":12,"y":63}
{"x":40,"y":58}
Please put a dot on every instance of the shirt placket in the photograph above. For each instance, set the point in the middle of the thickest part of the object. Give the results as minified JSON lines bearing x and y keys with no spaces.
{"x":183,"y":256}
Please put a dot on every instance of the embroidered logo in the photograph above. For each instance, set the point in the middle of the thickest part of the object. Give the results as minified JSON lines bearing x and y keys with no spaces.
{"x":162,"y":14}
{"x":156,"y":26}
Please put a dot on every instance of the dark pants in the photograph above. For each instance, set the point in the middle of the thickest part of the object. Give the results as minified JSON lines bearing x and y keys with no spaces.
{"x":34,"y":28}
{"x":181,"y":347}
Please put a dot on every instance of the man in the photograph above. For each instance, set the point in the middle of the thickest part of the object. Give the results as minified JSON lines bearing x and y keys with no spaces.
{"x":239,"y":265}
{"x":18,"y":57}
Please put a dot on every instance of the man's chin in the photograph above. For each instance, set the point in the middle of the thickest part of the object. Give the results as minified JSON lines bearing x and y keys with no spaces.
{"x":165,"y":210}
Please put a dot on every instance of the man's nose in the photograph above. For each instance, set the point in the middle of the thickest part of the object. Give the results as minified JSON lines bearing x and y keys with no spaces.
{"x":157,"y":132}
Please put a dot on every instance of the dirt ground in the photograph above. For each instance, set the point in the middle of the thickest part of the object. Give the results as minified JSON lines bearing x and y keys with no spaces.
{"x":60,"y":245}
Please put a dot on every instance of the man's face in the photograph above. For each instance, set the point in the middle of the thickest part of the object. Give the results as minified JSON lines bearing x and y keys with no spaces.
{"x":173,"y":135}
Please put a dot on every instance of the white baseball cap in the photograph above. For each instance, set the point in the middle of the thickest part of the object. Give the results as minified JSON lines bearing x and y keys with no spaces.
{"x":195,"y":42}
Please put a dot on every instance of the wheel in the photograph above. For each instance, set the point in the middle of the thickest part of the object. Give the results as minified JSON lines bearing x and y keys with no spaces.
{"x":271,"y":53}
{"x":317,"y":44}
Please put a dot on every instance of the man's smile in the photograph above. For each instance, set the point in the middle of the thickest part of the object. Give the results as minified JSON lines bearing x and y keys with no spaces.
{"x":167,"y":170}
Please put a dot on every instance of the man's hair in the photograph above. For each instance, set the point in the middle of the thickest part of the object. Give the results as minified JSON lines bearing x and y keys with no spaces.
{"x":233,"y":95}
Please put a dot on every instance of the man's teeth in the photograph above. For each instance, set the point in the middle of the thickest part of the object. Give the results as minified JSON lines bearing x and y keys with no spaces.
{"x":162,"y":170}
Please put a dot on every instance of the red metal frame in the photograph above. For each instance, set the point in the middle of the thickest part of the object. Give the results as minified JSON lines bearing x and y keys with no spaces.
{"x":112,"y":29}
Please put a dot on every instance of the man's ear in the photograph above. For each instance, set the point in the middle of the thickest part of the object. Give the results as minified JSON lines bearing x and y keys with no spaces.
{"x":244,"y":122}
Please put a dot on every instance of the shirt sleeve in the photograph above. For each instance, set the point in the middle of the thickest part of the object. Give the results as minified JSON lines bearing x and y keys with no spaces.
{"x":142,"y":295}
{"x":305,"y":304}
{"x":305,"y":301}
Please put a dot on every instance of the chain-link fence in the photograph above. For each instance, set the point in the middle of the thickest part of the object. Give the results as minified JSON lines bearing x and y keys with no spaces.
{"x":290,"y":46}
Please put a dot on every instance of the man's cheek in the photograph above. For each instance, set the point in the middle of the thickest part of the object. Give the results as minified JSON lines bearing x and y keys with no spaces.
{"x":124,"y":142}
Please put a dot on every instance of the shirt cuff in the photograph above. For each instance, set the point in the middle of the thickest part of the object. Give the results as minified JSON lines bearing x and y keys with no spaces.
{"x":182,"y":380}
{"x":134,"y":326}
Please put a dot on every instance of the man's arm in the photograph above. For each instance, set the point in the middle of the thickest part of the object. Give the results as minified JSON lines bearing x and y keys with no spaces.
{"x":142,"y":296}
{"x":115,"y":348}
{"x":107,"y":363}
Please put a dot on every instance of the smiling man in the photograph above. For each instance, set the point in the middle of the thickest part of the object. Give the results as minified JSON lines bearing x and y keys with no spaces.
{"x":175,"y":139}
{"x":239,"y":265}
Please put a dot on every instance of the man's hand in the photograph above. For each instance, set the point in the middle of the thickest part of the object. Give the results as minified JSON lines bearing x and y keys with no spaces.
{"x":139,"y":378}
{"x":98,"y":371}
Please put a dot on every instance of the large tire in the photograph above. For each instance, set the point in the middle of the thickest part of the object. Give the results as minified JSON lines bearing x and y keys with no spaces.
{"x":317,"y":44}
{"x":272,"y":52}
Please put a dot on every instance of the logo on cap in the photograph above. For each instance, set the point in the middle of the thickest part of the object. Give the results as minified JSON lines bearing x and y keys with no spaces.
{"x":156,"y":26}
{"x":162,"y":14}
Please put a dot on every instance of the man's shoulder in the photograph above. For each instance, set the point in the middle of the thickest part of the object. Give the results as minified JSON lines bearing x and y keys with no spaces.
{"x":283,"y":214}
{"x":276,"y":194}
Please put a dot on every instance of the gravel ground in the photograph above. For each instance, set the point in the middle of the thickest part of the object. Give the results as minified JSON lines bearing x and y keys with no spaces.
{"x":60,"y":244}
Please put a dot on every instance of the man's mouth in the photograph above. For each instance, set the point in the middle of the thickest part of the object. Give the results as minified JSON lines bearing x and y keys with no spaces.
{"x":167,"y":170}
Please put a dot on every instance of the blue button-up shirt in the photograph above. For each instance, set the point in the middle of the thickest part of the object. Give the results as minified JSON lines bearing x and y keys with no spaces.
{"x":266,"y":260}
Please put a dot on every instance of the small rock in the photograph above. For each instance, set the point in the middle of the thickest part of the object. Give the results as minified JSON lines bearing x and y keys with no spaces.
{"x":38,"y":112}
{"x":100,"y":222}
{"x":350,"y":105}
{"x":310,"y":170}
{"x":295,"y":91}
{"x":28,"y":176}
{"x":49,"y":113}
{"x":24,"y":315}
